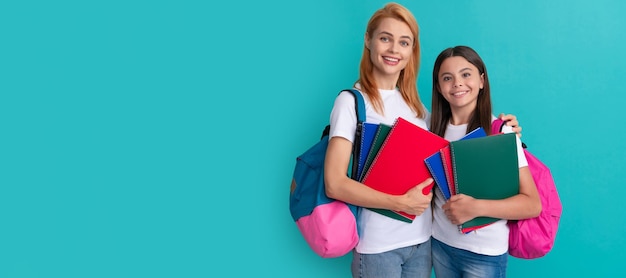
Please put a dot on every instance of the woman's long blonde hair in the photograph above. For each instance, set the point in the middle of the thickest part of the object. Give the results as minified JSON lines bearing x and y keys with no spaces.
{"x":407,"y":82}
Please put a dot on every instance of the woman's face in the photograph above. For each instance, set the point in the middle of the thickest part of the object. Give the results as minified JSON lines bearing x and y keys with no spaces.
{"x":391,"y":46}
{"x":460,"y":82}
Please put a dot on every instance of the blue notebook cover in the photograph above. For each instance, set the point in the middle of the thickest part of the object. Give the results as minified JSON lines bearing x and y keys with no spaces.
{"x":367,"y":138}
{"x":435,"y":164}
{"x":476,"y":133}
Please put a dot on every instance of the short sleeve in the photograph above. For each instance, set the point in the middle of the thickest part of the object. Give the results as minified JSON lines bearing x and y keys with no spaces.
{"x":343,"y":117}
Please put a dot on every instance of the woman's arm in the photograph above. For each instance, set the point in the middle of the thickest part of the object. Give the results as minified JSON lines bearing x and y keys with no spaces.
{"x":339,"y":186}
{"x":511,"y":121}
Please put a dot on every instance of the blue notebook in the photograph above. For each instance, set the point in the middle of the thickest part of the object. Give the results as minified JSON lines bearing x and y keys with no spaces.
{"x":379,"y":138}
{"x":367,"y":138}
{"x":435,"y":166}
{"x":476,"y":133}
{"x":434,"y":163}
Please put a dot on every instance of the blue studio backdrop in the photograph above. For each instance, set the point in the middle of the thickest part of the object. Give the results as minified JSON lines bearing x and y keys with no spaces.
{"x":158,"y":138}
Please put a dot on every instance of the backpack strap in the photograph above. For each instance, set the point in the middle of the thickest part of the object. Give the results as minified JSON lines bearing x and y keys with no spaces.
{"x":498,"y":124}
{"x":359,"y":106}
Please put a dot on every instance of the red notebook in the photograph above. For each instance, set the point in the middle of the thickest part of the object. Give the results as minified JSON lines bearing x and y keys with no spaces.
{"x":399,"y":164}
{"x":446,"y":158}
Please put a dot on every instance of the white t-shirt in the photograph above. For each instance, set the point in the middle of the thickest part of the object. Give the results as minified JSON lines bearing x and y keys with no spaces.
{"x":492,"y":240}
{"x":379,"y":233}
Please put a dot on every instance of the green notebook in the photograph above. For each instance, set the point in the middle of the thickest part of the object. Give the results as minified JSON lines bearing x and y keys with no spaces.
{"x":485,"y":168}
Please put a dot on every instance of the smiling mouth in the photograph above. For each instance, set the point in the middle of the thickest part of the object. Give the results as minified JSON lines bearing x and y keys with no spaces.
{"x":395,"y":60}
{"x":460,"y":93}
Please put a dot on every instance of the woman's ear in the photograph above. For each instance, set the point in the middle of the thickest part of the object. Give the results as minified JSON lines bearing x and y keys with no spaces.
{"x":367,"y":40}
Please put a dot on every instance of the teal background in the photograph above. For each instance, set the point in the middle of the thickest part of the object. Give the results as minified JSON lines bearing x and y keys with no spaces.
{"x":158,"y":138}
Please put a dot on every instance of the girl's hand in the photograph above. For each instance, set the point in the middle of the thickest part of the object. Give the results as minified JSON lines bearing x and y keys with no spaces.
{"x":460,"y":208}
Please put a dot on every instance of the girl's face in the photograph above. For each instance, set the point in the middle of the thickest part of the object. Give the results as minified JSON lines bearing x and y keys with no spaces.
{"x":460,"y":82}
{"x":391,"y":47}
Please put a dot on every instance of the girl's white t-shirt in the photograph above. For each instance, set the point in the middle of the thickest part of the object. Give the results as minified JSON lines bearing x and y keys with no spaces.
{"x":492,"y":240}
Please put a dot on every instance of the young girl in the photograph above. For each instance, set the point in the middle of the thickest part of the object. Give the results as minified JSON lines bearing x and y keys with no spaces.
{"x":388,"y":75}
{"x":461,"y":102}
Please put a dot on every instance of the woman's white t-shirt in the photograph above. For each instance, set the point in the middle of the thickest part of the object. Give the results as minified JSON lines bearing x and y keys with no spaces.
{"x":379,"y":233}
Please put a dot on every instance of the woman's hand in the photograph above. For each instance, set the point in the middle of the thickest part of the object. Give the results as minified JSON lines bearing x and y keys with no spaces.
{"x":415,"y":202}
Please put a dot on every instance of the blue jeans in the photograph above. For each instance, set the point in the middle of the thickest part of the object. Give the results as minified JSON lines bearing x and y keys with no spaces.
{"x":412,"y":261}
{"x":454,"y":262}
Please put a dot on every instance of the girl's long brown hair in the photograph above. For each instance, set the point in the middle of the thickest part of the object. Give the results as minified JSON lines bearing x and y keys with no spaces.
{"x":441,"y":113}
{"x":407,"y":82}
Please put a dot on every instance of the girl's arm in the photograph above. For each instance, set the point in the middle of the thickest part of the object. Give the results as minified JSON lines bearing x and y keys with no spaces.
{"x":341,"y":187}
{"x":462,"y":208}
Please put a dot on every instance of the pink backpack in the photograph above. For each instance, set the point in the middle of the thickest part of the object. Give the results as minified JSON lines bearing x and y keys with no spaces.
{"x":534,"y":237}
{"x":327,"y":225}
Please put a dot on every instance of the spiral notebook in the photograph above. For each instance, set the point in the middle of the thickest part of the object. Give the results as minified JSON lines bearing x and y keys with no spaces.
{"x":485,"y":168}
{"x":399,"y":164}
{"x":381,"y":134}
{"x":367,"y":138}
{"x":436,"y":167}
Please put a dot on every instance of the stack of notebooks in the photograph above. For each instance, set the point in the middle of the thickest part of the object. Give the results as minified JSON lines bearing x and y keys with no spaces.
{"x":395,"y":158}
{"x":392,"y":159}
{"x":481,"y":166}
